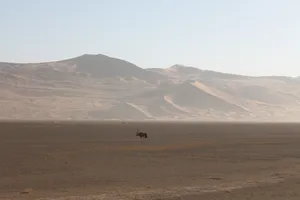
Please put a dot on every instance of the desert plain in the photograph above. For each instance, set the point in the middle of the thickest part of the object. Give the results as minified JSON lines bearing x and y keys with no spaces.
{"x":106,"y":161}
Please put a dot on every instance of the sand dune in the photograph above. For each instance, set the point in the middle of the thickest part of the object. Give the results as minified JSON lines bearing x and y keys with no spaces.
{"x":262,"y":94}
{"x":199,"y":98}
{"x":100,"y":66}
{"x":176,"y":92}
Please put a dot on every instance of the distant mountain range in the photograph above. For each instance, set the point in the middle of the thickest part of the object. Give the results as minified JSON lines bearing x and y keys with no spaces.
{"x":98,"y":87}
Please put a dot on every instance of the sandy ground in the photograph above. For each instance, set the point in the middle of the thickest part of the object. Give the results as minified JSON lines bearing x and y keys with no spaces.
{"x":101,"y":161}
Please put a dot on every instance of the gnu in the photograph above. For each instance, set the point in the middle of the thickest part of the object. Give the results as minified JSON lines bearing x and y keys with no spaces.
{"x":141,"y":134}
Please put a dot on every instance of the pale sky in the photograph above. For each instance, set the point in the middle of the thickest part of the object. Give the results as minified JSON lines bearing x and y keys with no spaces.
{"x":254,"y":37}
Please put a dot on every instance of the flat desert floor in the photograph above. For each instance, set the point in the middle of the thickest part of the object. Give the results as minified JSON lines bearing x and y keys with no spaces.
{"x":106,"y":161}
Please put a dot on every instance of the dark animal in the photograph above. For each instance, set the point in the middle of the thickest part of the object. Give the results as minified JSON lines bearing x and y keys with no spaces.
{"x":141,"y":134}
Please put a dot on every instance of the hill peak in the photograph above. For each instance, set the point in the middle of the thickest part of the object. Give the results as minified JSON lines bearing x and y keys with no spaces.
{"x":90,"y":56}
{"x":183,"y":69}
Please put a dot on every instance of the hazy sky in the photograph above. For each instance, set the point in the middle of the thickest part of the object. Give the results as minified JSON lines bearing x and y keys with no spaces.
{"x":256,"y":37}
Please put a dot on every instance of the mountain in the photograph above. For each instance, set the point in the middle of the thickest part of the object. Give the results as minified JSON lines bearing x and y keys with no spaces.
{"x":98,"y":87}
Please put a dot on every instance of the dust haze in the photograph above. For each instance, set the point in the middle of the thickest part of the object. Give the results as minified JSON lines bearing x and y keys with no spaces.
{"x":98,"y":87}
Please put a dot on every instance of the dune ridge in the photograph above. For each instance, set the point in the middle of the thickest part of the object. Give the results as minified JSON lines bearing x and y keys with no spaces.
{"x":75,"y":88}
